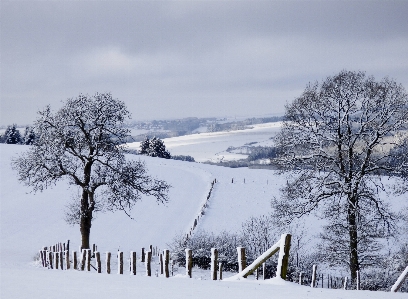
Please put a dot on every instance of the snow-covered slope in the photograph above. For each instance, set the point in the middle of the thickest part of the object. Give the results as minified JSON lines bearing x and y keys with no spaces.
{"x":212,"y":146}
{"x":28,"y":222}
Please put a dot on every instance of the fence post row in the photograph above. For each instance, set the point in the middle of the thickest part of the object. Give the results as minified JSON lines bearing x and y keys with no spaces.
{"x":189,"y":262}
{"x":214,"y":263}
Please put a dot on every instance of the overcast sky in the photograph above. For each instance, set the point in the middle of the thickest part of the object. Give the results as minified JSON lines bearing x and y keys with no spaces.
{"x":173,"y":59}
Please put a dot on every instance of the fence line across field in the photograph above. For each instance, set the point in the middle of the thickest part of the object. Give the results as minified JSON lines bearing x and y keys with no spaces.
{"x":58,"y":257}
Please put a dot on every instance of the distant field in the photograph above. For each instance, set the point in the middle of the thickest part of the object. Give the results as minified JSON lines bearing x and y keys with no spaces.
{"x":212,"y":146}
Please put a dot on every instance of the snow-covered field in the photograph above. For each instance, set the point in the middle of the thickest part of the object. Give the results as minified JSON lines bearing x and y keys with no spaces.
{"x":212,"y":146}
{"x":28,"y":222}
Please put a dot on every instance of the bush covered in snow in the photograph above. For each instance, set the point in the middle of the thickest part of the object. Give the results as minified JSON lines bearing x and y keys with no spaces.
{"x":183,"y":158}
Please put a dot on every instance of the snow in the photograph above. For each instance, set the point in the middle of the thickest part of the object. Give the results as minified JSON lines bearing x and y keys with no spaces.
{"x":29,"y":222}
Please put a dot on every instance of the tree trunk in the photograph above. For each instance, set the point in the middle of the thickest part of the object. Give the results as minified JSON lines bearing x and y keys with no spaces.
{"x":86,"y":220}
{"x":352,"y":224}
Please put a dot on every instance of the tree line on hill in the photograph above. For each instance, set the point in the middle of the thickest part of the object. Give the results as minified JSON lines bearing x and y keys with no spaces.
{"x":12,"y":135}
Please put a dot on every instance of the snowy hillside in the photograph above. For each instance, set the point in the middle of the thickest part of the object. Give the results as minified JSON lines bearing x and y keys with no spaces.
{"x":212,"y":146}
{"x":29,"y":222}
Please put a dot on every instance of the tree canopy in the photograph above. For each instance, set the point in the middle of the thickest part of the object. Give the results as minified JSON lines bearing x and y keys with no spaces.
{"x":83,"y":143}
{"x":339,"y":138}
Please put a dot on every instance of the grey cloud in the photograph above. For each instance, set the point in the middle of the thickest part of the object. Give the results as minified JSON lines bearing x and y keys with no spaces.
{"x":191,"y":58}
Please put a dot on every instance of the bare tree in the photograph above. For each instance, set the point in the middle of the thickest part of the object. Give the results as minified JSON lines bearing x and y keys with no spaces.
{"x":338,"y":139}
{"x":259,"y":234}
{"x":83,"y":142}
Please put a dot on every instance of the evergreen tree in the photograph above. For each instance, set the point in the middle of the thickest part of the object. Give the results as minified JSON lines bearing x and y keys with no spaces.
{"x":144,"y":146}
{"x":154,"y":148}
{"x":12,"y":135}
{"x":29,"y":135}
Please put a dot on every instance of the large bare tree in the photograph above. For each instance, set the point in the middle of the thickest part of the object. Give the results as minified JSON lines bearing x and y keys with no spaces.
{"x":83,"y":142}
{"x":339,"y":139}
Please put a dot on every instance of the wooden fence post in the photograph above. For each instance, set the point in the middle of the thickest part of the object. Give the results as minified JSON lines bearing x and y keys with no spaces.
{"x":214,"y":263}
{"x":313,"y":284}
{"x":61,"y":256}
{"x":300,"y":278}
{"x":283,"y":259}
{"x":74,"y":256}
{"x":241,"y":258}
{"x":108,"y":258}
{"x":67,"y":245}
{"x":189,"y":262}
{"x":120,"y":262}
{"x":148,"y":263}
{"x":133,"y":261}
{"x":166,"y":262}
{"x":220,"y":270}
{"x":50,"y":265}
{"x":322,"y":280}
{"x":45,"y":254}
{"x":67,"y":261}
{"x":88,"y":259}
{"x":56,"y":259}
{"x":358,"y":280}
{"x":143,"y":255}
{"x":42,"y":255}
{"x":83,"y":259}
{"x":345,"y":283}
{"x":161,"y":263}
{"x":397,"y":285}
{"x":98,"y":261}
{"x":263,"y":271}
